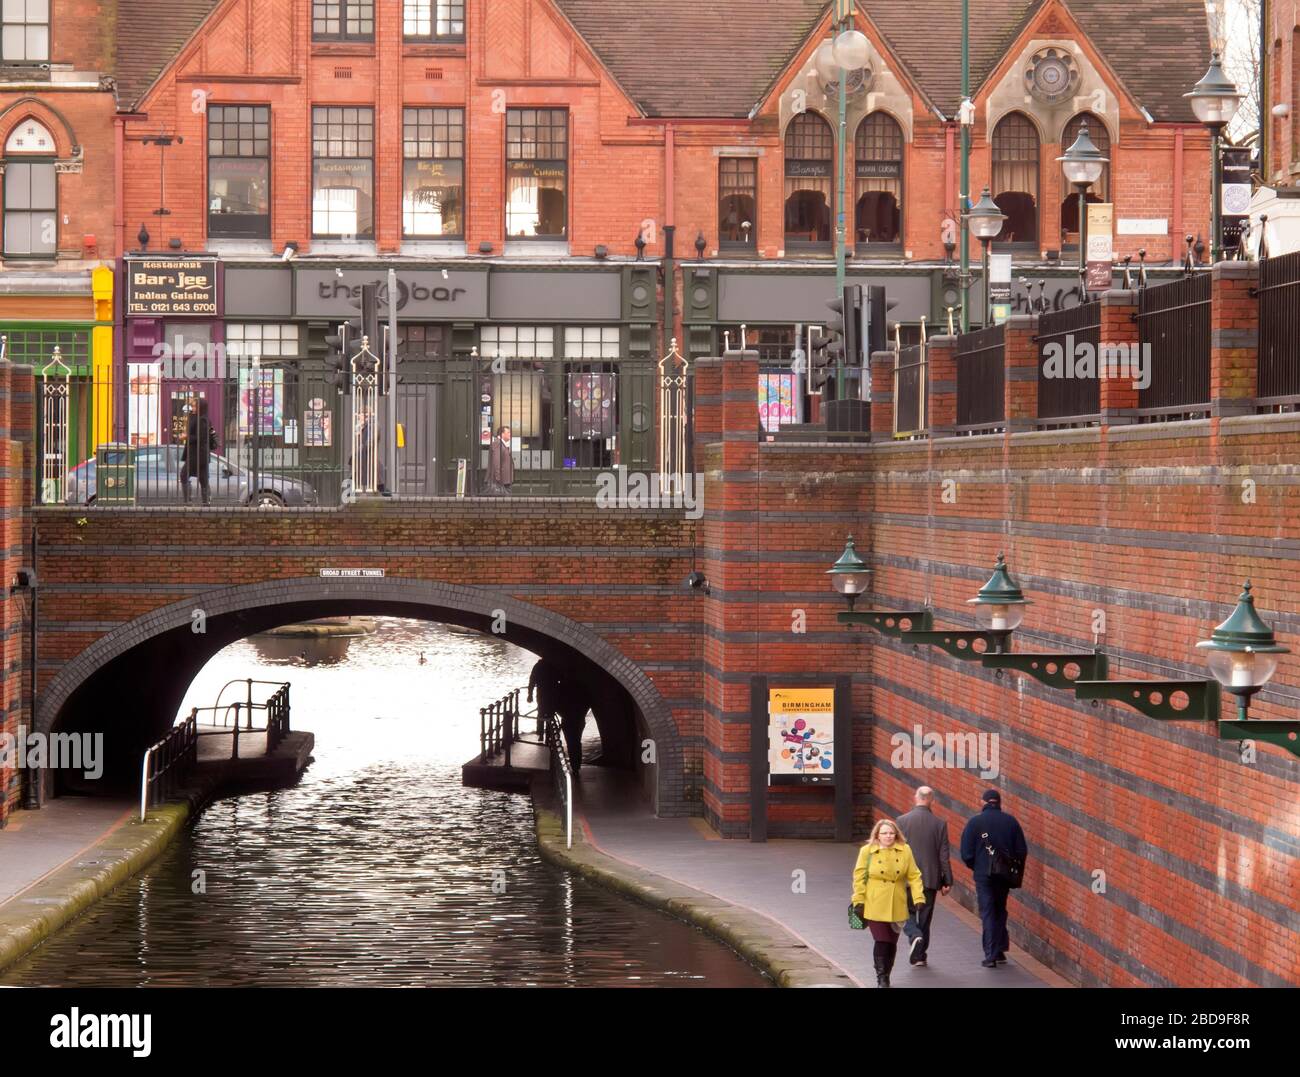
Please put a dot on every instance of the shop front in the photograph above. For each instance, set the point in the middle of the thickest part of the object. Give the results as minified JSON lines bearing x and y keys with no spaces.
{"x":559,"y":356}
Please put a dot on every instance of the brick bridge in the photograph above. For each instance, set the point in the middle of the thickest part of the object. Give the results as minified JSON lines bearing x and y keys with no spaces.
{"x":1134,"y":537}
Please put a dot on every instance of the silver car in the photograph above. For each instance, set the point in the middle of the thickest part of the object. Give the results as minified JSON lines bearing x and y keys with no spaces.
{"x":157,"y":480}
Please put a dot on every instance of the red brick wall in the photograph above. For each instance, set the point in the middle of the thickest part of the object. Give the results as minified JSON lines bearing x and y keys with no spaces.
{"x":1284,"y":87}
{"x":16,"y":488}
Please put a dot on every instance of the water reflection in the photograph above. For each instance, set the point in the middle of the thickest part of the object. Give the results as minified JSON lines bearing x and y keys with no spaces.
{"x":378,"y":868}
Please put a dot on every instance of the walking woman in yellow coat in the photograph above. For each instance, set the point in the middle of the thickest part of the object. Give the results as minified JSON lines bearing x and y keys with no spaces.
{"x":884,"y":871}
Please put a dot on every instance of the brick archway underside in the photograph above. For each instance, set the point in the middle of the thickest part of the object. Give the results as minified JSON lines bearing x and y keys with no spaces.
{"x":233,"y":613}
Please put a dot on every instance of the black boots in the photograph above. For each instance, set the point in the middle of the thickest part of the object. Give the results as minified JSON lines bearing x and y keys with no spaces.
{"x":883,"y":955}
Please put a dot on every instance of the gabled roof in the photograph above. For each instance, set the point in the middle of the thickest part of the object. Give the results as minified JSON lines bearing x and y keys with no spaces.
{"x":694,"y":57}
{"x":149,"y":35}
{"x":709,"y":58}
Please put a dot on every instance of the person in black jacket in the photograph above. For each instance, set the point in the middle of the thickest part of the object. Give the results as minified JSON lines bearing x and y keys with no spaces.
{"x":200,"y":440}
{"x":994,"y":829}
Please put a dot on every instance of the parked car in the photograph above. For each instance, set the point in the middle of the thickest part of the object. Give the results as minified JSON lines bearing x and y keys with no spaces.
{"x":157,"y":480}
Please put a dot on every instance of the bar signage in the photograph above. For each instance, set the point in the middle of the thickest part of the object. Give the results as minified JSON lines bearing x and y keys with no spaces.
{"x":171,"y":286}
{"x":420,"y":293}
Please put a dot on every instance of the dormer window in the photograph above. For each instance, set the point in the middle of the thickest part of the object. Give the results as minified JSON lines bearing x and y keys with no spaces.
{"x":24,"y":31}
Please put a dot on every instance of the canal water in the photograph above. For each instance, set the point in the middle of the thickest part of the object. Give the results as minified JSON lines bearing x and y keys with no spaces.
{"x":378,"y":868}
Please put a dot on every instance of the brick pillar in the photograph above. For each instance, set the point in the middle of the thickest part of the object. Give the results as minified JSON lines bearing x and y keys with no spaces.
{"x":1234,"y":338}
{"x":882,"y":395}
{"x":941,"y":407}
{"x":1020,"y":383}
{"x":707,"y":401}
{"x":1119,"y":397}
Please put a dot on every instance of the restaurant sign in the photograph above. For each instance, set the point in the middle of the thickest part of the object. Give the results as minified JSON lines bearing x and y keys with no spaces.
{"x":171,"y":287}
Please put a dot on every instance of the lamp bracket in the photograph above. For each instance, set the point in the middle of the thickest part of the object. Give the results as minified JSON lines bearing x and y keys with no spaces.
{"x":961,"y":644}
{"x":1050,"y":668}
{"x":1152,"y":698}
{"x":889,"y":622}
{"x":1285,"y":733}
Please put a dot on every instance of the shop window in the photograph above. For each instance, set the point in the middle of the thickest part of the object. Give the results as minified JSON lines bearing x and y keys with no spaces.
{"x":31,"y":209}
{"x":1015,"y":177}
{"x":436,"y":19}
{"x":433,"y":177}
{"x":239,"y":171}
{"x":343,"y":146}
{"x":537,"y":173}
{"x":24,"y":31}
{"x":878,"y":167}
{"x":1099,"y":191}
{"x":248,"y":340}
{"x":592,"y":342}
{"x":520,"y":391}
{"x":809,"y":162}
{"x":738,"y":203}
{"x":35,"y":347}
{"x":418,"y":342}
{"x":343,"y":20}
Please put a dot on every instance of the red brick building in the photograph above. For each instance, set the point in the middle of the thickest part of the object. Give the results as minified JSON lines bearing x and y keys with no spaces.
{"x":1283,"y":166}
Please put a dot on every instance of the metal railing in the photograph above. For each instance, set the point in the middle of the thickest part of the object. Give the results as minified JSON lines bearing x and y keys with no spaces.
{"x":561,"y":775}
{"x":1174,"y":338}
{"x":499,"y":726}
{"x":1279,"y":332}
{"x":981,"y":378}
{"x":276,"y":709}
{"x":911,"y":382}
{"x":164,"y":763}
{"x":1067,"y":401}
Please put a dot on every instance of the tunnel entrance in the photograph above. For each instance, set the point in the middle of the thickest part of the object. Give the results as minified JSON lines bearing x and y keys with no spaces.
{"x":130,"y":684}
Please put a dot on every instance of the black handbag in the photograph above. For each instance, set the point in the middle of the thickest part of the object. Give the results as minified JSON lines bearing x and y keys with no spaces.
{"x":857,"y":923}
{"x":1009,"y":869}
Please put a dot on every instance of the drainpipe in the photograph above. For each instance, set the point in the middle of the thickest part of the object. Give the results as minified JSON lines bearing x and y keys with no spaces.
{"x":32,"y":792}
{"x":119,"y":195}
{"x":1175,"y":239}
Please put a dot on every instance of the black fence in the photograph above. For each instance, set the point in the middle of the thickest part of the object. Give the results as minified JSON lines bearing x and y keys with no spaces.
{"x":1279,"y":331}
{"x":1174,"y":342}
{"x":981,"y":378}
{"x":295,"y":434}
{"x":911,"y":383}
{"x":1063,"y":398}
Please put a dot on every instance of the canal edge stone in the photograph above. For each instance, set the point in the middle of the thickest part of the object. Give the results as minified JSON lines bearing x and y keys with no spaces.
{"x":31,"y":916}
{"x":770,"y":949}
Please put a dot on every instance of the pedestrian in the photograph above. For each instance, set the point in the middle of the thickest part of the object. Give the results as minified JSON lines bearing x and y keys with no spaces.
{"x":544,"y":680}
{"x":573,"y":706}
{"x":501,"y":463}
{"x":200,"y":441}
{"x":884,"y":873}
{"x":992,"y":834}
{"x":927,"y":836}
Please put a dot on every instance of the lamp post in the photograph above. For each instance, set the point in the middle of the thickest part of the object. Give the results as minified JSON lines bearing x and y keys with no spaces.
{"x":1243,"y":652}
{"x":1082,"y":164}
{"x":1214,"y":100}
{"x":985,"y":221}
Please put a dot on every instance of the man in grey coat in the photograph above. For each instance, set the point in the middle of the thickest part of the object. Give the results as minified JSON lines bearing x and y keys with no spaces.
{"x":927,"y":835}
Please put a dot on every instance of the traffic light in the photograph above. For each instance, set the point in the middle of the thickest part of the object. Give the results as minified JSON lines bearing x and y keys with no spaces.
{"x":818,"y":361}
{"x":875,"y":318}
{"x":340,"y":346}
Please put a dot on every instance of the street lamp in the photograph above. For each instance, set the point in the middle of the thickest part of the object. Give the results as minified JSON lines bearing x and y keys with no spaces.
{"x":849,"y":574}
{"x":1243,"y":652}
{"x":1083,"y":164}
{"x":985,"y":221}
{"x":1000,"y":604}
{"x":1214,"y":101}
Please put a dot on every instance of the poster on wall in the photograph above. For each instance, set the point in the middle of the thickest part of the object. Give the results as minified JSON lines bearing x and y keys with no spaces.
{"x":591,"y":406}
{"x":801,"y":735}
{"x":318,"y":425}
{"x":144,"y":394}
{"x":776,"y":400}
{"x":261,"y":407}
{"x":1101,"y":245}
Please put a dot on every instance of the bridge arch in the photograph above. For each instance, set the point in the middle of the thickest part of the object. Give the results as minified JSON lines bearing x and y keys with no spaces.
{"x":236,"y":612}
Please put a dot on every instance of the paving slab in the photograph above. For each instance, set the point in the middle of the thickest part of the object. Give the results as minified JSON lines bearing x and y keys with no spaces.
{"x":35,"y":843}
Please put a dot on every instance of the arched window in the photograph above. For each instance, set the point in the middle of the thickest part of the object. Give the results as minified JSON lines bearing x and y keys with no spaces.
{"x":809,"y":163}
{"x":1015,"y":177}
{"x":30,"y":192}
{"x":1099,"y":191}
{"x":878,"y":153}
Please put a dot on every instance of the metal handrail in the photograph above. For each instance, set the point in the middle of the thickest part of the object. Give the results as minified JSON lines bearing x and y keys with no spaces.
{"x":499,"y":726}
{"x":561,"y":775}
{"x":180,"y":745}
{"x":276,"y":708}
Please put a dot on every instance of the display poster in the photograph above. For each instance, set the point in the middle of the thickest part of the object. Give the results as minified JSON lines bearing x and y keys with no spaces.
{"x":144,"y":417}
{"x":261,"y":406}
{"x":592,"y":410}
{"x":801,"y":734}
{"x":776,"y":400}
{"x":1101,"y":245}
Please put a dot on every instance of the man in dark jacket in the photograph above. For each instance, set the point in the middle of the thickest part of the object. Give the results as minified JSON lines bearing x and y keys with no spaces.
{"x":992,"y":829}
{"x":200,"y":440}
{"x":927,"y":835}
{"x":501,"y":463}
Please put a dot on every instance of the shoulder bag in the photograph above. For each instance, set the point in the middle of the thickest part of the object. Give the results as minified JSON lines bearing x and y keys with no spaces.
{"x":1007,"y":868}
